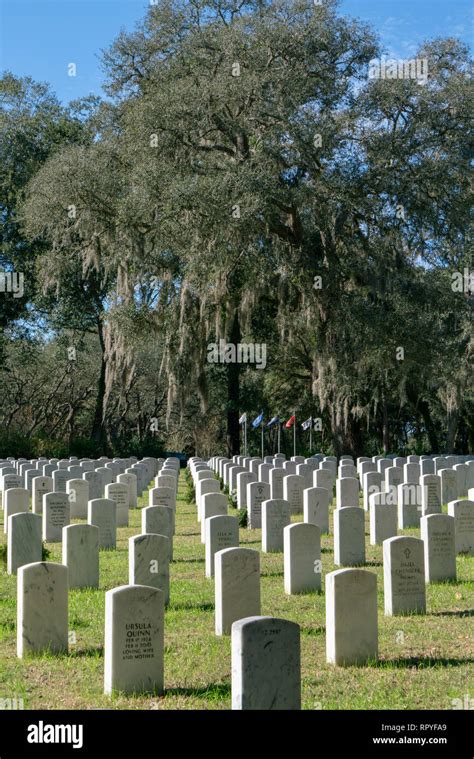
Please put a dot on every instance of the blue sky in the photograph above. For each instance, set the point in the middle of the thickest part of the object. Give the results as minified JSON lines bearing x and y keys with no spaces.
{"x":41,"y":37}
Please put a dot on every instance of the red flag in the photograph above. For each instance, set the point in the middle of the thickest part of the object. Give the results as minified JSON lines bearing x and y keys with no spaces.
{"x":290,"y":422}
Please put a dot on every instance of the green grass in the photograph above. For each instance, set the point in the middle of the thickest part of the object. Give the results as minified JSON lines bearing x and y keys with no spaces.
{"x":425,"y":661}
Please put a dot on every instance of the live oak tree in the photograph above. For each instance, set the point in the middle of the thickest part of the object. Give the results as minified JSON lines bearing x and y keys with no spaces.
{"x":249,"y":182}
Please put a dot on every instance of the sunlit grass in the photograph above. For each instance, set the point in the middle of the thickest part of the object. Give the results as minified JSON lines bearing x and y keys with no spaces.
{"x":424,"y":661}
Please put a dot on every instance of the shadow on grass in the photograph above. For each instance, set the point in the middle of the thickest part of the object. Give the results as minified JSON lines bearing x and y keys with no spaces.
{"x":189,"y":534}
{"x":374,"y":564}
{"x":326,"y":550}
{"x":93,"y":653}
{"x":421,"y":662}
{"x":312,"y":630}
{"x":188,"y":561}
{"x":7,"y":626}
{"x":465,"y":613}
{"x":186,"y":605}
{"x":272,"y":574}
{"x":209,"y":692}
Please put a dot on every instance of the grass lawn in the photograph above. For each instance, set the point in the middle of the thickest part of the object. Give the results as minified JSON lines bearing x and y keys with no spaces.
{"x":425,"y":661}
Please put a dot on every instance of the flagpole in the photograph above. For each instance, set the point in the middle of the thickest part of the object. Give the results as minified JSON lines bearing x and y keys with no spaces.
{"x":279,"y":430}
{"x":311,"y":436}
{"x":294,"y":436}
{"x":262,"y":440}
{"x":245,"y":436}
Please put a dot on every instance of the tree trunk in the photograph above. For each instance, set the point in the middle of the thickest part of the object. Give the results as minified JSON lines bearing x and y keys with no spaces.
{"x":385,"y":426}
{"x":233,"y":394}
{"x":452,"y":429}
{"x":98,"y":428}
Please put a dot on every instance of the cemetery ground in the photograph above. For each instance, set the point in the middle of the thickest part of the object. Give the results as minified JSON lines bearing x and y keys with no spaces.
{"x":425,"y":661}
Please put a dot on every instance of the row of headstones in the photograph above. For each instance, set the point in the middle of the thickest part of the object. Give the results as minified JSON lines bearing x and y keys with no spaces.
{"x":82,"y":480}
{"x":42,"y":616}
{"x":386,"y":516}
{"x":266,"y":672}
{"x":443,"y":536}
{"x":375,"y":475}
{"x":81,"y":543}
{"x":134,"y":618}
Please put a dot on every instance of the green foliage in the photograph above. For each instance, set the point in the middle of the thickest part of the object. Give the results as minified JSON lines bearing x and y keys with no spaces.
{"x":155,"y":264}
{"x":45,"y":553}
{"x":189,"y":493}
{"x":242,"y":517}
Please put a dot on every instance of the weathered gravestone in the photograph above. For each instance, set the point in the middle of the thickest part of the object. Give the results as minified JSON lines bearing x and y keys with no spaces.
{"x":148,"y":562}
{"x":102,"y":512}
{"x":463,"y":513}
{"x":302,"y":558}
{"x":275,"y":517}
{"x":221,"y":532}
{"x":266,"y":664}
{"x":42,"y":608}
{"x":383,"y":518}
{"x":243,"y":479}
{"x":411,"y":473}
{"x":449,"y":485}
{"x":212,"y":505}
{"x":203,"y":488}
{"x":349,"y":536}
{"x":347,"y":492}
{"x":257,"y":492}
{"x":131,"y":481}
{"x":316,"y":507}
{"x":106,"y":478}
{"x":323,"y":478}
{"x":437,"y":533}
{"x":351,"y":617}
{"x":306,"y":472}
{"x":95,"y":485}
{"x":404,"y":576}
{"x":372,"y":483}
{"x":237,"y":586}
{"x":16,"y":501}
{"x":159,"y":520}
{"x":29,"y":478}
{"x":81,"y":555}
{"x":40,"y":486}
{"x":462,"y":471}
{"x":430,"y":494}
{"x":427,"y":466}
{"x":166,"y":481}
{"x":56,"y":515}
{"x":264,"y":472}
{"x":119,"y":493}
{"x":293,"y":486}
{"x":409,"y":505}
{"x":276,"y":482}
{"x":60,"y":477}
{"x":134,"y":640}
{"x":24,"y":541}
{"x":78,"y":494}
{"x":163,"y":497}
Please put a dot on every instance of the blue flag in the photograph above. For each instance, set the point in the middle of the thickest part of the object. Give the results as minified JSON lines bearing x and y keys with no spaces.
{"x":258,"y":420}
{"x":273,"y":420}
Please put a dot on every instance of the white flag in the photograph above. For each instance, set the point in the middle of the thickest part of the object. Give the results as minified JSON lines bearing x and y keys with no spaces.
{"x":307,"y":424}
{"x":243,"y":418}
